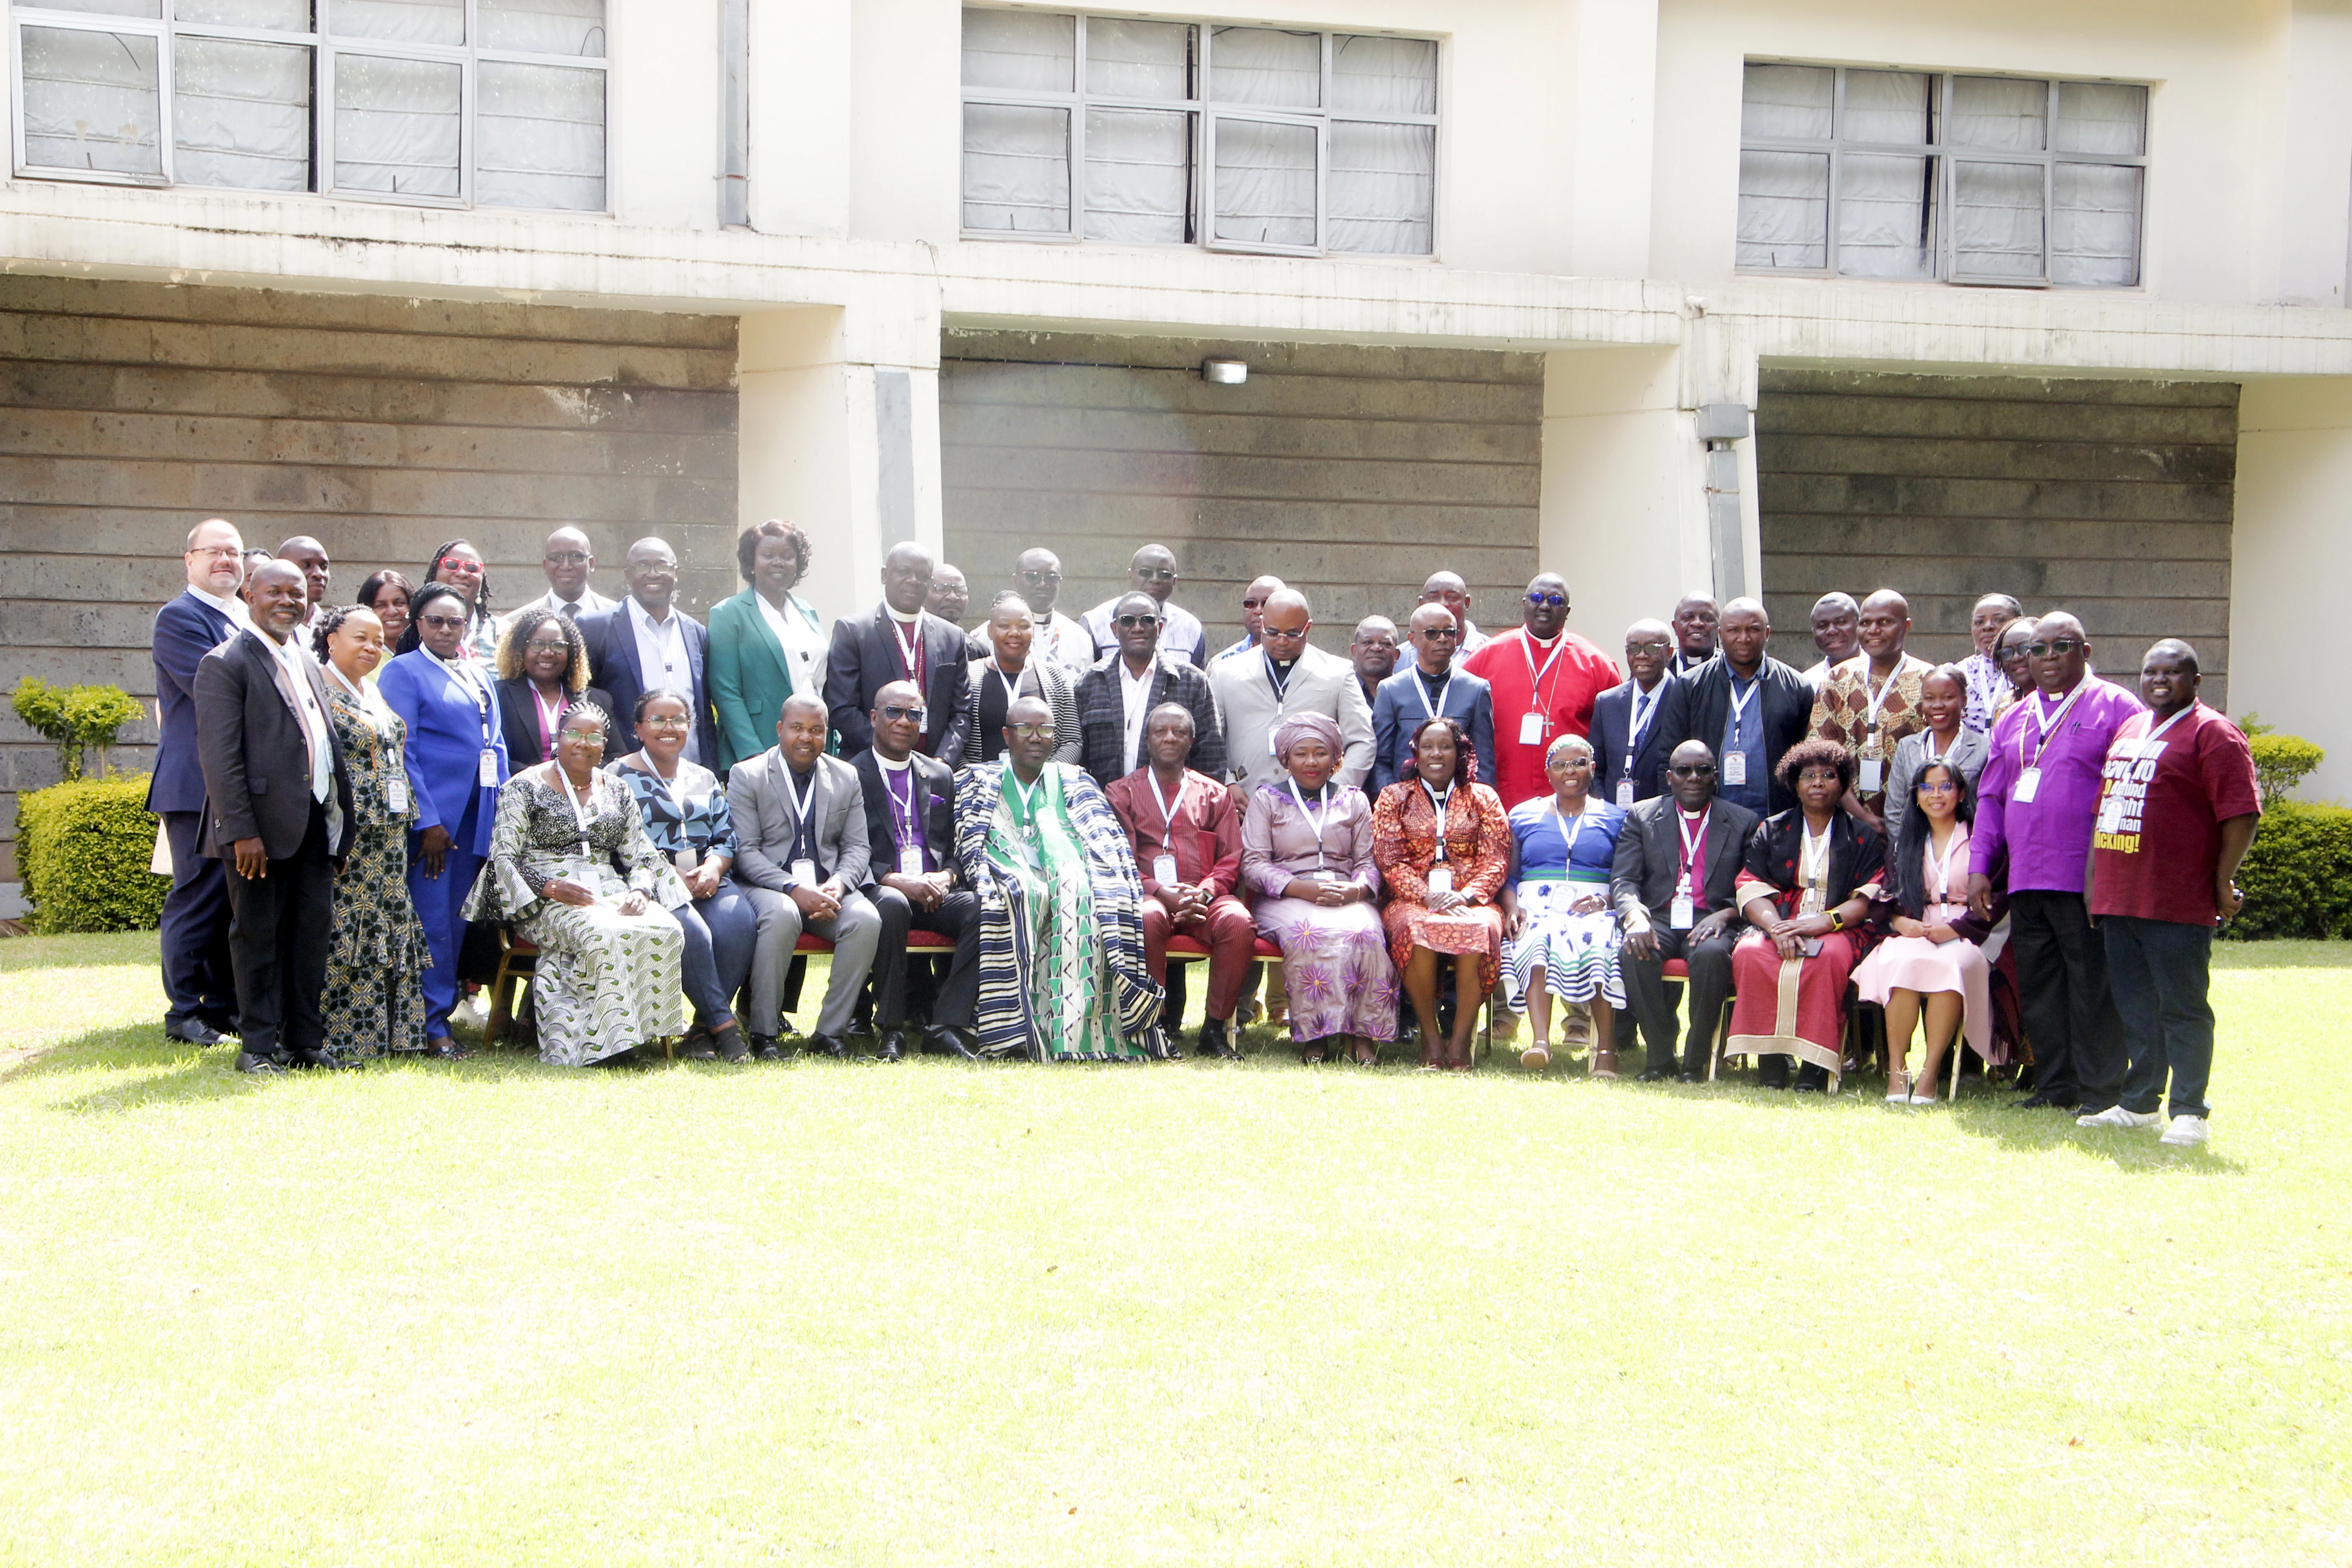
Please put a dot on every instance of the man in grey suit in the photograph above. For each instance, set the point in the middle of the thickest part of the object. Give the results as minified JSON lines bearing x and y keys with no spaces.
{"x":1431,"y":688}
{"x":1678,"y":857}
{"x":1283,"y":676}
{"x":801,"y":854}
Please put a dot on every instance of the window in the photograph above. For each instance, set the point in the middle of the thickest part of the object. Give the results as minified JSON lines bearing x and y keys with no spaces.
{"x":1974,"y":179}
{"x":450,"y":102}
{"x":1149,"y":132}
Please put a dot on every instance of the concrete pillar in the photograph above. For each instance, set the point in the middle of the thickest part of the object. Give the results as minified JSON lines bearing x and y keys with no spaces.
{"x":2289,"y":553}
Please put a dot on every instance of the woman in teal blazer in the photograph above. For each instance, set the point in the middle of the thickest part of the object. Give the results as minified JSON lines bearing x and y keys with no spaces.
{"x":752,"y":667}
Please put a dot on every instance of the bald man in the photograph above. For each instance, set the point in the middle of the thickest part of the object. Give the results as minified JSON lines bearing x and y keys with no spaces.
{"x":1152,"y":571}
{"x":569,"y":563}
{"x":1632,"y":731}
{"x":1694,"y":628}
{"x":1038,"y":578}
{"x":1870,"y":702}
{"x":1373,"y":652}
{"x":1256,"y":691}
{"x":648,"y":643}
{"x":1254,"y":598}
{"x":1448,"y":589}
{"x":311,"y":557}
{"x":1431,"y":689}
{"x":898,"y":639}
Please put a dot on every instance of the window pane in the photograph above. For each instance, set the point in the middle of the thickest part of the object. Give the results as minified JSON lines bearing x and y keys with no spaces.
{"x":1886,"y":216}
{"x":2095,"y":225}
{"x":1886,"y":105}
{"x":1383,"y":189}
{"x":1998,"y":111}
{"x":404,"y":21}
{"x":1384,"y":76}
{"x":1022,"y":50}
{"x":92,"y":100}
{"x":2102,"y":117}
{"x":538,"y":136}
{"x":1997,"y":220}
{"x":574,"y":28}
{"x":1784,"y":209}
{"x":395,"y":125}
{"x":1139,"y":59}
{"x":107,"y":7}
{"x":1787,"y":102}
{"x":1138,"y":175}
{"x":1265,"y":182}
{"x":1262,"y":66}
{"x":240,"y":114}
{"x":1016,"y":168}
{"x":277,"y":15}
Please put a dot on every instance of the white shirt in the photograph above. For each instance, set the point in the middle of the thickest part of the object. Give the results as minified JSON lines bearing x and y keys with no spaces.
{"x":230,"y":605}
{"x":802,"y":653}
{"x":1135,"y":703}
{"x":661,"y":650}
{"x":298,"y":666}
{"x":1065,"y":641}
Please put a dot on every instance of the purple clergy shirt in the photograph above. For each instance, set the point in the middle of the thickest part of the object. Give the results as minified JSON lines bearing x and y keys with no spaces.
{"x":899,"y":785}
{"x":2049,"y":838}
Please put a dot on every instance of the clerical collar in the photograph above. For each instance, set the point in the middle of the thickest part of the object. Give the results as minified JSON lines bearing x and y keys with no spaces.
{"x":1546,"y":642}
{"x":900,"y":766}
{"x":902,"y":620}
{"x":1688,"y":814}
{"x":1284,"y":664}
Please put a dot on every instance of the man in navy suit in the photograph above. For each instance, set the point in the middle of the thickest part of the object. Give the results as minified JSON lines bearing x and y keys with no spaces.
{"x":1431,"y":689}
{"x":648,"y":643}
{"x":197,"y":978}
{"x":1635,"y":726}
{"x":899,"y":640}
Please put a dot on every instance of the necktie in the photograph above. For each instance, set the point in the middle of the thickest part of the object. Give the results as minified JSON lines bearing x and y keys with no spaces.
{"x":570,"y":611}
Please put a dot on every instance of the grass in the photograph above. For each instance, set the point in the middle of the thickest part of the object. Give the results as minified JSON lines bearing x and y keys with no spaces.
{"x":934,"y":1313}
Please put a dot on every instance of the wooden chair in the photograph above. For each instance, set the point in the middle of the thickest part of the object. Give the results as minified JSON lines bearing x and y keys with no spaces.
{"x":1831,"y":1062}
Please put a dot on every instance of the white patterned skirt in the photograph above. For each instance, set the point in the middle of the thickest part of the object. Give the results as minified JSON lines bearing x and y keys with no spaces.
{"x":1577,"y":952}
{"x":604,"y":981}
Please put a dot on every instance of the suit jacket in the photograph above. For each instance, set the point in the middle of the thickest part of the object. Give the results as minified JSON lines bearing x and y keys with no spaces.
{"x":1205,"y":838}
{"x":1319,"y":683}
{"x":1102,"y":717}
{"x":759,"y":802}
{"x":1648,"y":866}
{"x":1968,"y":751}
{"x":865,"y":657}
{"x":445,"y":747}
{"x":591,"y":603}
{"x":519,"y":721}
{"x":256,"y":755}
{"x":1706,"y":703}
{"x":186,"y":628}
{"x":749,"y":676}
{"x":1612,"y":717}
{"x":612,"y":639}
{"x":934,"y":799}
{"x":1398,"y":707}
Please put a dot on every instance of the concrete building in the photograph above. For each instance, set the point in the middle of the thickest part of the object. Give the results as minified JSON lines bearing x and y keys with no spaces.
{"x":1766,"y":295}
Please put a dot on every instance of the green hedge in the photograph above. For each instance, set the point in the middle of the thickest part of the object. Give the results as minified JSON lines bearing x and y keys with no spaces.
{"x":2297,"y":877}
{"x":83,"y":849}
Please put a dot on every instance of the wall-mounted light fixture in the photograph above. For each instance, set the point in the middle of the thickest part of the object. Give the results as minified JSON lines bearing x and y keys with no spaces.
{"x":1225,"y":371}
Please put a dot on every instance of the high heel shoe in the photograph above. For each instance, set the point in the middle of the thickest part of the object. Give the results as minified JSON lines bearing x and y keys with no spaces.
{"x":1900,"y":1087}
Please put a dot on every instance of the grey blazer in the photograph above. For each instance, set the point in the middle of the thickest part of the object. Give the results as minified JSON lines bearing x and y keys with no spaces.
{"x":1968,"y":754}
{"x":1319,"y":683}
{"x":1649,"y":859}
{"x":759,"y":802}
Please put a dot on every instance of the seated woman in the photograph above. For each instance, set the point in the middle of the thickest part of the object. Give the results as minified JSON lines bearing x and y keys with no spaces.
{"x":1444,"y":847}
{"x":1009,"y":672}
{"x":684,"y":809}
{"x":1306,"y":852}
{"x":1556,"y":908}
{"x":542,"y":665}
{"x":1810,"y":873}
{"x":569,"y":865}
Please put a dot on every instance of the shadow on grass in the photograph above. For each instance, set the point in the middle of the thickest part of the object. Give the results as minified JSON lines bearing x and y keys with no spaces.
{"x":2134,"y":1151}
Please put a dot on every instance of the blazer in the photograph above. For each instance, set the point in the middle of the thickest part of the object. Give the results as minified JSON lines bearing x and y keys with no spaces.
{"x":1102,"y":717}
{"x":249,"y":736}
{"x":1039,"y":678}
{"x":591,"y":603}
{"x":1705,"y":704}
{"x":1648,"y":863}
{"x":749,"y":676}
{"x":612,"y":639}
{"x":864,"y":657}
{"x":1319,"y":683}
{"x":1613,"y":718}
{"x":934,"y":799}
{"x":186,"y":628}
{"x":519,"y":721}
{"x":760,"y":800}
{"x":445,"y":747}
{"x":1398,"y":708}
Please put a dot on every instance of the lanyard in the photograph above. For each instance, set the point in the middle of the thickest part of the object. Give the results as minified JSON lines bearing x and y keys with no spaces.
{"x":1421,"y":689}
{"x":1928,"y":748}
{"x":909,"y":638}
{"x":1692,"y":844}
{"x":1813,"y":864}
{"x":1024,"y":809}
{"x":2148,"y":741}
{"x":1740,"y":702}
{"x":550,"y":714}
{"x":1012,"y":684}
{"x":902,"y":812}
{"x":373,"y":705}
{"x":579,"y":812}
{"x":1280,"y":680}
{"x":1438,"y":804}
{"x":1314,"y":819}
{"x":668,"y":788}
{"x":2046,"y":726}
{"x":1570,"y":827}
{"x":464,"y":676}
{"x":1168,"y":810}
{"x":1877,"y":698}
{"x":802,"y":800}
{"x":1642,"y":713}
{"x":1943,"y":863}
{"x":1536,"y":676}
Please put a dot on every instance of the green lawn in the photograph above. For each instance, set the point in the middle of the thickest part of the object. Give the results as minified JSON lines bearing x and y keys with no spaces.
{"x":1188,"y":1314}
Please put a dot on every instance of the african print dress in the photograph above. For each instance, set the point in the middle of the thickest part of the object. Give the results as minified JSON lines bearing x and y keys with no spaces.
{"x":1477,"y":847}
{"x":375,"y":1002}
{"x":1561,"y":861}
{"x":1335,"y":961}
{"x":605,"y":981}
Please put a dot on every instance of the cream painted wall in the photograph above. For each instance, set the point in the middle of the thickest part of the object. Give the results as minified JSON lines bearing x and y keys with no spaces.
{"x":801,"y":116}
{"x":662,"y":150}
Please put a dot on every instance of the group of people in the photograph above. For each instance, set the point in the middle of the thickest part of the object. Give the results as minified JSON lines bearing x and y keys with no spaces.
{"x":2011,"y":856}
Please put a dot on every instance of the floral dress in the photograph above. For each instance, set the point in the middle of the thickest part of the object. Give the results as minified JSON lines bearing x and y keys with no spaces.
{"x":1478,"y":846}
{"x":375,"y":1001}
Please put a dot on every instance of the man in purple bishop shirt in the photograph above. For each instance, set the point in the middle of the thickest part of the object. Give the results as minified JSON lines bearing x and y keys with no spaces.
{"x":2037,"y":800}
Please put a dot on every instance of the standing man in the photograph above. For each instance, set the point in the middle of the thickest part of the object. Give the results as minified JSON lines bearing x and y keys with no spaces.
{"x":1448,"y":589}
{"x":197,"y":976}
{"x":648,"y":643}
{"x":1545,"y":679}
{"x":1037,"y":575}
{"x":1119,"y":693}
{"x":261,"y":718}
{"x":1286,"y":677}
{"x":1373,"y":652}
{"x":1694,"y":628}
{"x":1748,"y":709}
{"x":911,"y":876}
{"x":1254,"y":598}
{"x":2178,"y":810}
{"x":1837,"y":635}
{"x":1871,"y":701}
{"x":1678,"y":858}
{"x":1153,"y":573}
{"x":1982,"y":669}
{"x":1630,"y":737}
{"x":949,"y":596}
{"x":899,"y":640}
{"x":2038,"y":798}
{"x":309,"y":557}
{"x":570,"y":562}
{"x":1431,"y":689}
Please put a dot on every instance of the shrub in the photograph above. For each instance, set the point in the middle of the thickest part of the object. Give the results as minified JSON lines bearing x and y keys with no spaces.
{"x":2297,"y":877}
{"x":74,"y":717}
{"x":2280,"y":763}
{"x":84,"y":849}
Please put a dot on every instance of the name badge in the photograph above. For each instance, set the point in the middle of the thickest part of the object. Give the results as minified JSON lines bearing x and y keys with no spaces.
{"x":1872,"y":776}
{"x":489,"y":771}
{"x":804,"y":872}
{"x":1440,"y":878}
{"x":1735,"y":767}
{"x":684,"y":860}
{"x":1531,"y":729}
{"x":395,"y":793}
{"x":1322,"y":874}
{"x":1625,"y":792}
{"x":2111,"y":817}
{"x":1680,"y":913}
{"x":2027,"y":783}
{"x":910,"y":861}
{"x":1163,"y":870}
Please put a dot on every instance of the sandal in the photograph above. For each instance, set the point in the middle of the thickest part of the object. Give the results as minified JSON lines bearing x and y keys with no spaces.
{"x":1312,"y":1054}
{"x":1901,"y":1086}
{"x":1536,"y":1057}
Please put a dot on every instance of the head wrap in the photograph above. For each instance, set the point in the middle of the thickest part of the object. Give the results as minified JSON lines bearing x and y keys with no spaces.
{"x":1299,"y":727}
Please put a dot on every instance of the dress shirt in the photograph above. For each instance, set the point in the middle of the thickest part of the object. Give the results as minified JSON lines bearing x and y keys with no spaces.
{"x":2049,"y":838}
{"x":229,"y":604}
{"x":1135,"y":701}
{"x":1182,"y":635}
{"x":298,"y":666}
{"x":1205,"y":838}
{"x":804,"y":650}
{"x":661,"y":652}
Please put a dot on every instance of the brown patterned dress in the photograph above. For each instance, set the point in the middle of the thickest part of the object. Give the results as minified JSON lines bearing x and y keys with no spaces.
{"x":375,"y":1000}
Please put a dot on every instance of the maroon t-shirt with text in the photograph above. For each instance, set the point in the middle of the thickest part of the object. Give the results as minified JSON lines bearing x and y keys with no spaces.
{"x":2158,"y":832}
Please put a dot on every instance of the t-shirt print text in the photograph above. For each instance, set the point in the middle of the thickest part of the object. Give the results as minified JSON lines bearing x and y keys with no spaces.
{"x":2123,"y":798}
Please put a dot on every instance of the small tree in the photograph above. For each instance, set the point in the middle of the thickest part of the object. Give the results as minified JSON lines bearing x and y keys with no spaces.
{"x":74,"y":717}
{"x":2280,"y":763}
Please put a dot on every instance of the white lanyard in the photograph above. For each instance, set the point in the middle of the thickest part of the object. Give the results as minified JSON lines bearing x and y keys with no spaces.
{"x":1740,"y":702}
{"x":902,"y":812}
{"x":1814,"y":861}
{"x":1691,"y":842}
{"x":1877,"y":698}
{"x":1536,"y":676}
{"x":362,"y":693}
{"x":1279,"y":681}
{"x":802,"y":800}
{"x":579,"y":812}
{"x":1943,"y":863}
{"x":1167,"y":810}
{"x":2048,"y":725}
{"x":464,"y":676}
{"x":910,"y":645}
{"x":669,"y":789}
{"x":1438,"y":804}
{"x":2147,"y":743}
{"x":1642,"y":713}
{"x":1927,"y":748}
{"x":1421,"y":688}
{"x":1313,"y":820}
{"x":550,"y":714}
{"x":1569,"y":826}
{"x":1012,"y":684}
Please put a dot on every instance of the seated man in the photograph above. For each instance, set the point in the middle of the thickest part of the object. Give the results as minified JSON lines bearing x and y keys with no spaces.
{"x":801,"y":856}
{"x":1678,"y":860}
{"x":1062,"y":976}
{"x":1187,"y":837}
{"x":911,"y":831}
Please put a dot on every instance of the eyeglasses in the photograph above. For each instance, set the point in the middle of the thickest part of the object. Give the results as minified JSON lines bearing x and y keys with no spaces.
{"x":1445,"y":634}
{"x":218,"y":551}
{"x":899,"y":715}
{"x":665,"y":721}
{"x":547,"y":644}
{"x":1548,"y":601}
{"x":1139,"y":623}
{"x":1041,"y":576}
{"x":442,"y":623}
{"x":2010,"y":655}
{"x":1032,"y":731}
{"x":568,"y":557}
{"x":1941,"y":787}
{"x":1273,"y":633}
{"x":583,"y":737}
{"x":1154,"y":573}
{"x":1256,"y":603}
{"x":2055,"y":645}
{"x":1634,"y":647}
{"x":1692,"y":770}
{"x":1573,"y":763}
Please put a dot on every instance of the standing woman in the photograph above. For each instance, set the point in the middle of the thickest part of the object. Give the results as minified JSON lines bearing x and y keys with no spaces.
{"x":1556,"y":907}
{"x":542,"y":674}
{"x":387,"y":593}
{"x":456,"y":761}
{"x":374,"y":999}
{"x":684,"y":809}
{"x":1008,"y":674}
{"x":765,"y":642}
{"x":1444,"y":847}
{"x":459,"y":564}
{"x":1944,"y":703}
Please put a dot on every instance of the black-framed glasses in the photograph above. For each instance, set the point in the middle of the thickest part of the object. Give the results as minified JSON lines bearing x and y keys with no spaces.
{"x":1634,"y":647}
{"x":1155,"y":574}
{"x":1041,"y":576}
{"x":567,"y":558}
{"x":1692,"y":770}
{"x":1033,"y":731}
{"x":1548,"y":600}
{"x":665,"y":721}
{"x":1449,"y":634}
{"x":1139,"y":623}
{"x":1256,"y":603}
{"x":897,"y":715}
{"x":446,"y":622}
{"x":547,"y":644}
{"x":2055,"y":645}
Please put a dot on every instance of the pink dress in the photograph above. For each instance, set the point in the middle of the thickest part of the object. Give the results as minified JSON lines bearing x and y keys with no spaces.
{"x":1915,"y":963}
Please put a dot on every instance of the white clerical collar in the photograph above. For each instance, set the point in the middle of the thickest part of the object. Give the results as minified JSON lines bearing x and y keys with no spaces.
{"x":900,"y":766}
{"x":902,"y":620}
{"x":1541,"y":642}
{"x":1688,"y":814}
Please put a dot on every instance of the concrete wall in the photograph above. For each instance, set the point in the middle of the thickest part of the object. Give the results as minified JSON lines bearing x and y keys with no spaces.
{"x":2293,"y":558}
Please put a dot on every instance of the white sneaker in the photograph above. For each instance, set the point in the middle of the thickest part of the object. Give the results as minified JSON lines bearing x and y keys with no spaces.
{"x":2186,"y":1132}
{"x":2117,"y":1116}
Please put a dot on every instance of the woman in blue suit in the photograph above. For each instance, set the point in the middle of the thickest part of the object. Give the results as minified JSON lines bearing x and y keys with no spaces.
{"x":456,"y":761}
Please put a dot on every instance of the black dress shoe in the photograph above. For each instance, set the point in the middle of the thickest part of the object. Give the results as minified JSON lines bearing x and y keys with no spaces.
{"x":1686,"y":1076}
{"x":247,"y":1062}
{"x":893,"y":1046}
{"x":322,"y":1061}
{"x":1653,"y":1074}
{"x":2047,"y":1100}
{"x":832,"y":1045}
{"x":1215,"y":1042}
{"x":732,"y":1049}
{"x":444,"y":1051}
{"x":194,"y":1031}
{"x":948,"y":1042}
{"x":765,"y":1049}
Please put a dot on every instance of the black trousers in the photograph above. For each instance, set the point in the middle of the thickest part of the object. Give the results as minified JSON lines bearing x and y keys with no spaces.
{"x":280,"y":927}
{"x":2061,"y":989}
{"x":956,"y":1006}
{"x":1654,"y":1010}
{"x":198,"y":977}
{"x":2160,"y":970}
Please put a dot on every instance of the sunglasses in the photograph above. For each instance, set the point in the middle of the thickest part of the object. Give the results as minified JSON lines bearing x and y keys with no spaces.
{"x":899,"y":715}
{"x":1258,"y":604}
{"x":1444,"y":634}
{"x":1155,"y":574}
{"x":445,"y":622}
{"x":1139,"y":623}
{"x":1693,"y":769}
{"x":572,"y":558}
{"x":1548,"y":601}
{"x":1041,"y":576}
{"x":1033,"y":731}
{"x":2055,"y":645}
